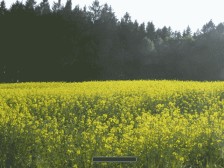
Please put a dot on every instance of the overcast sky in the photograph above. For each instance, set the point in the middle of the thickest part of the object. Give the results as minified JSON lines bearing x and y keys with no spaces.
{"x":175,"y":13}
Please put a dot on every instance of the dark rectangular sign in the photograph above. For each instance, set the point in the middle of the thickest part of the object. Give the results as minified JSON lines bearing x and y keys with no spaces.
{"x":115,"y":159}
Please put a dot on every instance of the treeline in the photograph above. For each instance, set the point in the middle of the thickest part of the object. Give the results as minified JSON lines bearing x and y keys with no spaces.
{"x":39,"y":42}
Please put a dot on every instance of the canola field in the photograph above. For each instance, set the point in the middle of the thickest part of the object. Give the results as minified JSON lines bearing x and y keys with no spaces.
{"x":166,"y":124}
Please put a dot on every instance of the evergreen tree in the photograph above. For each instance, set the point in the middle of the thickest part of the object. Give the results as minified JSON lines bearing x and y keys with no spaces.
{"x":150,"y":29}
{"x":107,"y":15}
{"x":3,"y":9}
{"x":166,"y":33}
{"x":43,"y":8}
{"x":56,"y":6}
{"x":17,"y":8}
{"x":30,"y":4}
{"x":95,"y":10}
{"x":187,"y":32}
{"x":177,"y":35}
{"x":126,"y":18}
{"x":38,"y":44}
{"x":208,"y":27}
{"x":68,"y":6}
{"x":220,"y":28}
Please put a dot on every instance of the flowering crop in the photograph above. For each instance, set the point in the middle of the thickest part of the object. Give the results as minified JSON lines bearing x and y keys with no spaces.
{"x":163,"y":123}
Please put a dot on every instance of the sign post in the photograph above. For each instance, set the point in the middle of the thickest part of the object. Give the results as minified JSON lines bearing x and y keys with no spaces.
{"x":115,"y":159}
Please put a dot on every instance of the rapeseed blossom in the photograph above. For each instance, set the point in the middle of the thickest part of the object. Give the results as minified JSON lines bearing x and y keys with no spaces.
{"x":164,"y":123}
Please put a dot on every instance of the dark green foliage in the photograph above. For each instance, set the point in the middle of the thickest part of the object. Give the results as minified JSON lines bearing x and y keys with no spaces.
{"x":40,"y":43}
{"x":3,"y":9}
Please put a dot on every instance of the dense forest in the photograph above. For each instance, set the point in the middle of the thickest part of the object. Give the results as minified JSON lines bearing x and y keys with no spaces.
{"x":39,"y":42}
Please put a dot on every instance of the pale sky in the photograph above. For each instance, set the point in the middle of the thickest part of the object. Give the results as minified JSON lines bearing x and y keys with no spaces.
{"x":175,"y":13}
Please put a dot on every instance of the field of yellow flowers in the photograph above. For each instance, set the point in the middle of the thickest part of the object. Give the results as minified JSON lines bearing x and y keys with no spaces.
{"x":164,"y":123}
